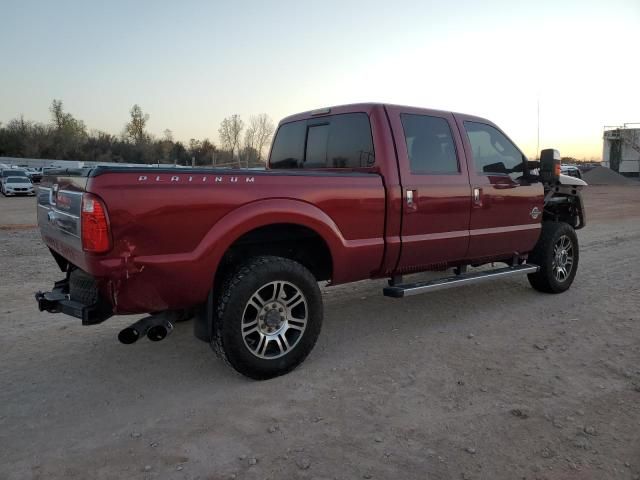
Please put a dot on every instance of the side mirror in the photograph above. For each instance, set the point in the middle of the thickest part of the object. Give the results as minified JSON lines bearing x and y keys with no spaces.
{"x":549,"y":165}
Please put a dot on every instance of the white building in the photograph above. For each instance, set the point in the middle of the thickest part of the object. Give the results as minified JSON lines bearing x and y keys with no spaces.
{"x":621,"y":149}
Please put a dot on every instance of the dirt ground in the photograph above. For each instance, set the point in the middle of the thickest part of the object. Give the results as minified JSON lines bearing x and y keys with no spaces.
{"x":494,"y":381}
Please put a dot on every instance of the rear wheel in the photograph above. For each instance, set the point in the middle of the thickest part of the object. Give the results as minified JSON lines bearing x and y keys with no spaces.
{"x":269,"y":316}
{"x":557,"y":254}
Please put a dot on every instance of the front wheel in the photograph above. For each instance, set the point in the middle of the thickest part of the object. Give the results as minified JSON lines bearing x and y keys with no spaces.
{"x":269,"y":316}
{"x":557,"y":255}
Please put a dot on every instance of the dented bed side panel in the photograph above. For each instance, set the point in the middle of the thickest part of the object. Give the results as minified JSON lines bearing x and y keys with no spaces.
{"x":168,"y":232}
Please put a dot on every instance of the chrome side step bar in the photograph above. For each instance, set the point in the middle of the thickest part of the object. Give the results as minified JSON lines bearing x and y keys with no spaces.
{"x":407,"y":289}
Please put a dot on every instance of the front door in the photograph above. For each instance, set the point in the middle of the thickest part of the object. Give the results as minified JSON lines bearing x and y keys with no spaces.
{"x":435,"y":185}
{"x":506,"y":211}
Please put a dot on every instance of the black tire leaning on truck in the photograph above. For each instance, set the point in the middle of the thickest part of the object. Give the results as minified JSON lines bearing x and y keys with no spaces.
{"x":82,"y":287}
{"x":269,"y":316}
{"x":557,"y":254}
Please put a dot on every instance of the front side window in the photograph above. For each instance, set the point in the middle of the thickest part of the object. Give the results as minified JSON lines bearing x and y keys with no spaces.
{"x":429,"y":144}
{"x":335,"y":141}
{"x":493,"y":153}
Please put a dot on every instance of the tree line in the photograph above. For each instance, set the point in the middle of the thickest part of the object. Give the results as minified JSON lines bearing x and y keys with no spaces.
{"x":65,"y":137}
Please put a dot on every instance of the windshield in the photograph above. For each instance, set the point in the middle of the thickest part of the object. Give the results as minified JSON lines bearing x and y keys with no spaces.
{"x":17,"y":180}
{"x":13,"y":173}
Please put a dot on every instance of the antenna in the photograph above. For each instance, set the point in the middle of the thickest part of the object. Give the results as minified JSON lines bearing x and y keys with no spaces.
{"x":538,"y":144}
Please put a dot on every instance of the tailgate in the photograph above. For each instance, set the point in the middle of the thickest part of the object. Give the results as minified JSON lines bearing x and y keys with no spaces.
{"x":59,"y":207}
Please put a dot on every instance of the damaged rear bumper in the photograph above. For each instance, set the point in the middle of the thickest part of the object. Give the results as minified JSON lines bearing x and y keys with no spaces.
{"x":58,"y":300}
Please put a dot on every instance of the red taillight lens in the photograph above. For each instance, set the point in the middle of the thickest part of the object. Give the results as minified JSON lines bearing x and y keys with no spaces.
{"x":557,"y":169}
{"x":95,"y":225}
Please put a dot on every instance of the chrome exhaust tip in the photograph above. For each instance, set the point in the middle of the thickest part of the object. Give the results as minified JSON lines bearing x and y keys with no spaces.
{"x":128,"y":335}
{"x":160,"y":331}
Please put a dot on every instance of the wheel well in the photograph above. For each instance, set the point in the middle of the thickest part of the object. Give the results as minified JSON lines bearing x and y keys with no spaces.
{"x":292,"y":241}
{"x":565,"y":208}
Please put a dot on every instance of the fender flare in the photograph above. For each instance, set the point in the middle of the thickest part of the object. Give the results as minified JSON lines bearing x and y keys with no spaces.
{"x":262,"y":213}
{"x":245,"y":219}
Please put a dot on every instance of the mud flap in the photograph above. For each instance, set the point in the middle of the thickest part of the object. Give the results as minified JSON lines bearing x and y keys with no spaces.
{"x":203,"y":320}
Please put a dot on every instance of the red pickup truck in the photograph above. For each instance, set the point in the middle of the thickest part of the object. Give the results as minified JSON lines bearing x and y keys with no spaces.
{"x":351,"y":192}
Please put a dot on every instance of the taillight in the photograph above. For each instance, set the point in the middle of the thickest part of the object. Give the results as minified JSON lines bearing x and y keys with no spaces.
{"x":557,"y":170}
{"x":95,"y":225}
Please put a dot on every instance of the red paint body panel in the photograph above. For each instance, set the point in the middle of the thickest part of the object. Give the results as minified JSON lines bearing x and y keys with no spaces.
{"x":500,"y":224}
{"x":435,"y":228}
{"x":170,"y":250}
{"x":170,"y":229}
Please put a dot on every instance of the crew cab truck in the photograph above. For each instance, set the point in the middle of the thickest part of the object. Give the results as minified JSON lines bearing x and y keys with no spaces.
{"x":350,"y":193}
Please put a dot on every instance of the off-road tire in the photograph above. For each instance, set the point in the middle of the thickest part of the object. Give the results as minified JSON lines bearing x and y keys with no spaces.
{"x":544,"y":280}
{"x":228,"y":342}
{"x":82,"y":287}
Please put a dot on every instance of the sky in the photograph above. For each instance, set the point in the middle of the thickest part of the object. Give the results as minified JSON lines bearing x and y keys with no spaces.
{"x":189,"y":64}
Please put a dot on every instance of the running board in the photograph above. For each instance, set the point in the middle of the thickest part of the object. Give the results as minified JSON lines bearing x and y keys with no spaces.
{"x":407,"y":289}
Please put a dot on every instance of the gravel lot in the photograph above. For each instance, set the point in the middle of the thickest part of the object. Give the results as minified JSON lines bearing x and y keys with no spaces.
{"x":485,"y":382}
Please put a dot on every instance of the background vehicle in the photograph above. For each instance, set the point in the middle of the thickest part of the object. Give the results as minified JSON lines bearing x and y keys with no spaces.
{"x":11,"y":172}
{"x":17,"y":186}
{"x":352,"y":192}
{"x":35,"y":174}
{"x":571,"y":170}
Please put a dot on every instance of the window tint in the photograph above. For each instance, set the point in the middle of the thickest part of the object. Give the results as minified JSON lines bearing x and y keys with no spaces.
{"x":13,"y":173}
{"x":317,"y":137}
{"x":350,"y":143}
{"x":336,"y":141}
{"x":429,"y":144}
{"x":288,"y":146}
{"x":492,"y":151}
{"x":16,"y":180}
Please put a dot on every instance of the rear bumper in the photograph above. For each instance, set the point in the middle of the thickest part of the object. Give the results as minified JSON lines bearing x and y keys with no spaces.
{"x":58,"y":301}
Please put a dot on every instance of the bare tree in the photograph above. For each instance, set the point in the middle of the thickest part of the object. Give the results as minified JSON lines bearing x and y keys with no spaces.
{"x":263,"y":128}
{"x":229,"y":132}
{"x":135,"y":128}
{"x":57,"y":114}
{"x":68,"y":132}
{"x":249,"y":148}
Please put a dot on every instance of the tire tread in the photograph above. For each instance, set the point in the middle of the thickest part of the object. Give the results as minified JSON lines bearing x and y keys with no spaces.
{"x":232,"y":282}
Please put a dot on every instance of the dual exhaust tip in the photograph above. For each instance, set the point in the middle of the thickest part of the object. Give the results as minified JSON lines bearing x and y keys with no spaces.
{"x":155,"y":327}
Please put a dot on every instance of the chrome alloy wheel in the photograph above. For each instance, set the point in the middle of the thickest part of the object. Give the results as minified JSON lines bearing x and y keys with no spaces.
{"x":562,"y":258}
{"x":274,"y":319}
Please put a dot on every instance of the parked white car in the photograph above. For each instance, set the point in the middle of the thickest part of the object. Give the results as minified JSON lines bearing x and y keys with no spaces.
{"x":17,"y":186}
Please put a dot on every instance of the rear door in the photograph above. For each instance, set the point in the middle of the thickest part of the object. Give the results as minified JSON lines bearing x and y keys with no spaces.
{"x":435,"y":187}
{"x":506,"y":211}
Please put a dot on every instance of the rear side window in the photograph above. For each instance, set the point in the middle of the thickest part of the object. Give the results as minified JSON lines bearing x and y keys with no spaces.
{"x":337,"y":141}
{"x":493,"y":153}
{"x":288,"y":146}
{"x":429,"y":144}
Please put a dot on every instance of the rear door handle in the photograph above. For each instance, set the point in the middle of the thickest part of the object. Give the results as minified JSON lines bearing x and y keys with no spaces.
{"x":410,"y":196}
{"x":477,"y":196}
